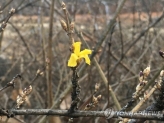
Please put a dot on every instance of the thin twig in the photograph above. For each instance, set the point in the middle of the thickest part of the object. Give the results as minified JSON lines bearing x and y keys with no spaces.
{"x":4,"y":6}
{"x":22,"y":39}
{"x":12,"y":82}
{"x":4,"y":23}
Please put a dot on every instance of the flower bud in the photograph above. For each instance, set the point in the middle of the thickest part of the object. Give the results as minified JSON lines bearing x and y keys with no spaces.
{"x":99,"y":97}
{"x":146,"y":71}
{"x":12,"y":11}
{"x":161,"y":53}
{"x":64,"y":25}
{"x":38,"y":72}
{"x":97,"y":86}
{"x":162,"y":73}
{"x":63,"y":5}
{"x":71,"y":26}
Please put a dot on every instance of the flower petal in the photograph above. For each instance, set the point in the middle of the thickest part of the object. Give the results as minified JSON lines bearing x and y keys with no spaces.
{"x":87,"y":60}
{"x":77,"y":46}
{"x":85,"y":52}
{"x":72,"y":62}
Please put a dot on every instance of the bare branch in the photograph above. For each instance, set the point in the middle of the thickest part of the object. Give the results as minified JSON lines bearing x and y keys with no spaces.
{"x":107,"y":113}
{"x":11,"y":83}
{"x":4,"y":23}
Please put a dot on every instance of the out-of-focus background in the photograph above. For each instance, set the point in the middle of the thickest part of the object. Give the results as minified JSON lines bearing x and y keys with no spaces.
{"x":24,"y":42}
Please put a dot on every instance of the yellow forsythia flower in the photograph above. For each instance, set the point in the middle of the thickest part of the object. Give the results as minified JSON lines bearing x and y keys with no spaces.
{"x":77,"y":55}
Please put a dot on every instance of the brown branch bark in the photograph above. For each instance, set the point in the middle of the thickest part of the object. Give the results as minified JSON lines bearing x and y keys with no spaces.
{"x":49,"y":55}
{"x":49,"y":76}
{"x":4,"y":23}
{"x":107,"y":113}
